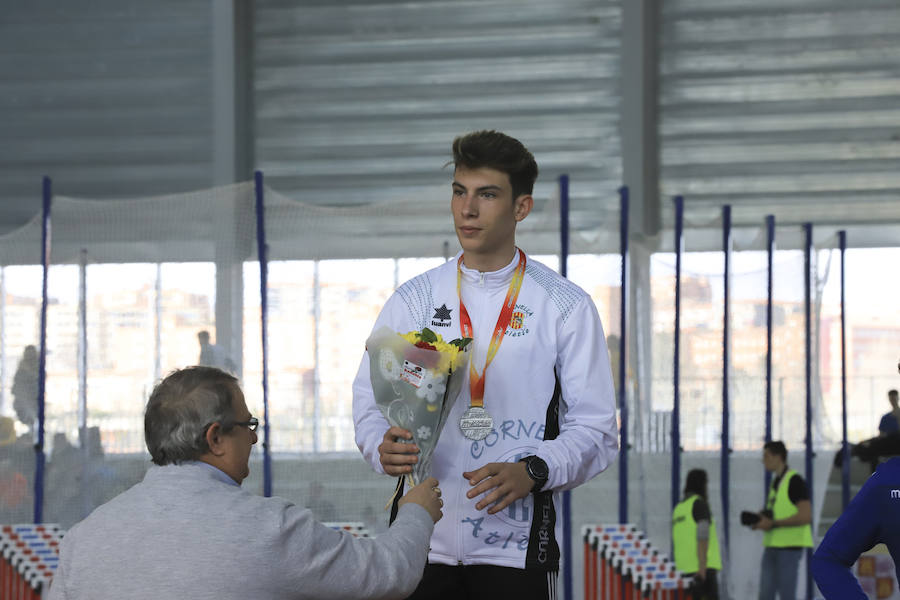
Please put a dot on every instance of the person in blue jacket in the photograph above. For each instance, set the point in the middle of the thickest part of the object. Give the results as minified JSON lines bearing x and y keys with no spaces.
{"x":872,"y":517}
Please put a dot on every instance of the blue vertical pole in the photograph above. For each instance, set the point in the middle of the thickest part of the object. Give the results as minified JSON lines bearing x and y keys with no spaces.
{"x":845,"y":446}
{"x":623,"y":356}
{"x":807,"y":302}
{"x":42,"y":362}
{"x":564,"y":225}
{"x":726,"y":380}
{"x":770,"y":252}
{"x":564,"y":271}
{"x":261,"y":251}
{"x":676,"y":403}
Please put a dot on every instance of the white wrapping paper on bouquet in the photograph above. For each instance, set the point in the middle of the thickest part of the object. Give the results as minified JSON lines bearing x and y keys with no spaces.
{"x":415,"y":388}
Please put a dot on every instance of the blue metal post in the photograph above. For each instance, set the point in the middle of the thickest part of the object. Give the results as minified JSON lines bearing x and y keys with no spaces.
{"x":845,"y":446}
{"x":564,"y":225}
{"x":726,"y":380}
{"x":807,"y":302}
{"x":770,"y":252}
{"x":42,"y":361}
{"x":623,"y":357}
{"x":261,"y":251}
{"x":564,"y":271}
{"x":676,"y":404}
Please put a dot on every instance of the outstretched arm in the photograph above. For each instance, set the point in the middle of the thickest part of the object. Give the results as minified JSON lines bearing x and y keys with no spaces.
{"x":855,"y":532}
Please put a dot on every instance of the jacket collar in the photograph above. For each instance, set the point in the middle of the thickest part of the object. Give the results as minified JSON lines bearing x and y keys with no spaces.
{"x":489,"y":279}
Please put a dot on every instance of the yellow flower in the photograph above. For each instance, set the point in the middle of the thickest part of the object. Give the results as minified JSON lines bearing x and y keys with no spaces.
{"x":449,"y":353}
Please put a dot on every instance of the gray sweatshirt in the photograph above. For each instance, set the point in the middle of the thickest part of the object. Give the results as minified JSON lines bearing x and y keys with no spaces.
{"x":184,"y":533}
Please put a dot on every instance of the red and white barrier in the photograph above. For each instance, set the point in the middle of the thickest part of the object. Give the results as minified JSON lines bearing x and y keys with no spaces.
{"x":30,"y":554}
{"x":620,"y":563}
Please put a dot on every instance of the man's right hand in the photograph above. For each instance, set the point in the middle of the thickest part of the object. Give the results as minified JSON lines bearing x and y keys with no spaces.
{"x":397,"y":458}
{"x":427,"y":495}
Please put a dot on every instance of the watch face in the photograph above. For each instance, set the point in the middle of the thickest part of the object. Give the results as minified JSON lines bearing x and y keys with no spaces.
{"x":538,"y":468}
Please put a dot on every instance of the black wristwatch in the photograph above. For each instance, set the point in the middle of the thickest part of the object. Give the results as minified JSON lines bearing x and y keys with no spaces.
{"x":538,"y":471}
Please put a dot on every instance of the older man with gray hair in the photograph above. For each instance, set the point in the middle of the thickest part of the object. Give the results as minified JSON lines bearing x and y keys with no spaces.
{"x":188,"y":530}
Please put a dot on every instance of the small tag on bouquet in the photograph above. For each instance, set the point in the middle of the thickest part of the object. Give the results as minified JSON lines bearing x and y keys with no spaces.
{"x":412,"y":374}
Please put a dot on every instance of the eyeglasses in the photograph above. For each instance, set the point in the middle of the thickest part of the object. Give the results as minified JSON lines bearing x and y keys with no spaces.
{"x":252,"y":424}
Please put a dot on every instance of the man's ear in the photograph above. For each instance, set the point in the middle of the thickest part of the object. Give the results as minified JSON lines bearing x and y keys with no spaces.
{"x":214,"y":440}
{"x":523,"y":206}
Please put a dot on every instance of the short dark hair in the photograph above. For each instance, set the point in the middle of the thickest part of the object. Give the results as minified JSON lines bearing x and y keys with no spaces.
{"x":488,"y":148}
{"x":892,"y":392}
{"x":695,"y":483}
{"x":180,"y":409}
{"x":777,"y":448}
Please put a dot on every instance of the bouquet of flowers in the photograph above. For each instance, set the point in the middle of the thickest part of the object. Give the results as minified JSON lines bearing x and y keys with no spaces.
{"x":416,"y":378}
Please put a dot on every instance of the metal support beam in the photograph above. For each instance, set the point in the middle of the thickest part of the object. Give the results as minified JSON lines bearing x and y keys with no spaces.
{"x":640,"y":166}
{"x":262,"y":253}
{"x":231,"y":113}
{"x":845,"y":446}
{"x":639,"y":129}
{"x":223,"y":96}
{"x":317,"y":382}
{"x":725,"y":457}
{"x":676,"y":360}
{"x":82,"y":351}
{"x":244,"y":159}
{"x":42,"y":360}
{"x":564,"y":271}
{"x":624,"y":446}
{"x":157,"y":323}
{"x":770,"y":256}
{"x":231,"y":248}
{"x":807,"y":303}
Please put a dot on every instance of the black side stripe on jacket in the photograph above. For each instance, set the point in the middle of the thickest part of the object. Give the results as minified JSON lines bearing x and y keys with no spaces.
{"x":543,"y":550}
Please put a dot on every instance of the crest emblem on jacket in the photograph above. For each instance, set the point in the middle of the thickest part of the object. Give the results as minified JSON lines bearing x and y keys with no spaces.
{"x":518,"y":323}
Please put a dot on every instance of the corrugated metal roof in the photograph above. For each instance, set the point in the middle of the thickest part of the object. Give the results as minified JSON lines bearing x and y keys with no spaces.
{"x":784,"y":108}
{"x":359,"y":102}
{"x":110,"y":98}
{"x":790,"y":108}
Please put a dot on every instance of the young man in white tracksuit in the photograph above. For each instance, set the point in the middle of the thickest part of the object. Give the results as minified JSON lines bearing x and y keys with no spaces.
{"x":539,"y":386}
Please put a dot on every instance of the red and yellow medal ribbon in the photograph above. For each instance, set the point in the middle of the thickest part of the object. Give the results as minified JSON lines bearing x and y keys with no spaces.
{"x":476,"y":381}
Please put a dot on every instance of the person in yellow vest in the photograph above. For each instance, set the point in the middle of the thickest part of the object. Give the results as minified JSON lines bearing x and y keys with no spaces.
{"x":786,"y":522}
{"x":694,"y":537}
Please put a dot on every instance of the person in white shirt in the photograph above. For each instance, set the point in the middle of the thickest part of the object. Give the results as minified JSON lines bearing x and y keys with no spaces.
{"x":543,"y":379}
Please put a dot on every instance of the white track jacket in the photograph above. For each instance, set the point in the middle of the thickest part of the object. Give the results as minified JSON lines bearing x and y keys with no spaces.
{"x":549,"y":390}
